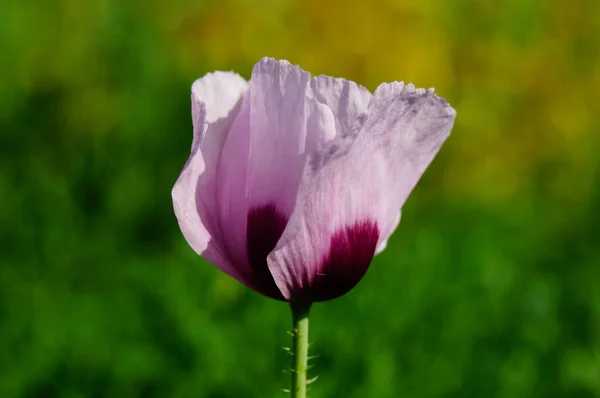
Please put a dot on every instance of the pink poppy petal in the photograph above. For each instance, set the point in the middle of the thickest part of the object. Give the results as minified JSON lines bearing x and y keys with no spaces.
{"x":352,"y":190}
{"x":262,"y":163}
{"x":410,"y":129}
{"x":278,"y":118}
{"x":216,"y":100}
{"x":246,"y":251}
{"x":347,"y":100}
{"x":261,"y":166}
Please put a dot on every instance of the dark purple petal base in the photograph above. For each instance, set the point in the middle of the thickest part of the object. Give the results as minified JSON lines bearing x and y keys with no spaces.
{"x":351,"y":252}
{"x":264,"y":228}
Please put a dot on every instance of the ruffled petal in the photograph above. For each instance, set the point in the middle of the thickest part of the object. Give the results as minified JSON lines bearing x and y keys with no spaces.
{"x":347,"y":100}
{"x":410,"y":125}
{"x":216,"y":100}
{"x":352,"y":190}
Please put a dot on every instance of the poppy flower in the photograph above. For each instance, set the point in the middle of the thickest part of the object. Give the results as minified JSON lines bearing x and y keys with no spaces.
{"x":295,"y":182}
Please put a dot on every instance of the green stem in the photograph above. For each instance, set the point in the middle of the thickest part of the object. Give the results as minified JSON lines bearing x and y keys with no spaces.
{"x":299,"y":348}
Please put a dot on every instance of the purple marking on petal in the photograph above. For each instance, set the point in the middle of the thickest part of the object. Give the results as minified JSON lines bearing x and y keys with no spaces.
{"x":351,"y":252}
{"x":264,"y":228}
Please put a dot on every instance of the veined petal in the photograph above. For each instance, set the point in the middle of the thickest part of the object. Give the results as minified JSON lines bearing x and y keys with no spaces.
{"x":262,"y":164}
{"x":216,"y":100}
{"x":347,"y":100}
{"x":352,"y":190}
{"x":278,"y":118}
{"x":408,"y":130}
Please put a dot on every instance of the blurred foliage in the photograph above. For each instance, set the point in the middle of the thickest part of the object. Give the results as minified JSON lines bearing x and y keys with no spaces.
{"x":490,"y":287}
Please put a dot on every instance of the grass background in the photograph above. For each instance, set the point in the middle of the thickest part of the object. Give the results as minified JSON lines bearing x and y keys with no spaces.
{"x":489,"y":288}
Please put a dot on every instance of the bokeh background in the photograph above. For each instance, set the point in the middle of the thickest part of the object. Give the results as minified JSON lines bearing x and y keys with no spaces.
{"x":489,"y":288}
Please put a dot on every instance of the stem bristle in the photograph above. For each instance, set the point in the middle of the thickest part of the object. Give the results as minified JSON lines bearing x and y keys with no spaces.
{"x":300,"y":346}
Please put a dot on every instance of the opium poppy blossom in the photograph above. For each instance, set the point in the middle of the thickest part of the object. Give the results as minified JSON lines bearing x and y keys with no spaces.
{"x":295,"y":182}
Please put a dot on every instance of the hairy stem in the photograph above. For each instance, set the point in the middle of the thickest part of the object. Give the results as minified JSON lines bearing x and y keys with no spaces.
{"x":299,"y":348}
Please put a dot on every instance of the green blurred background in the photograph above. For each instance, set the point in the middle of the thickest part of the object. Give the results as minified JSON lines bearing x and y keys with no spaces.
{"x":489,"y":288}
